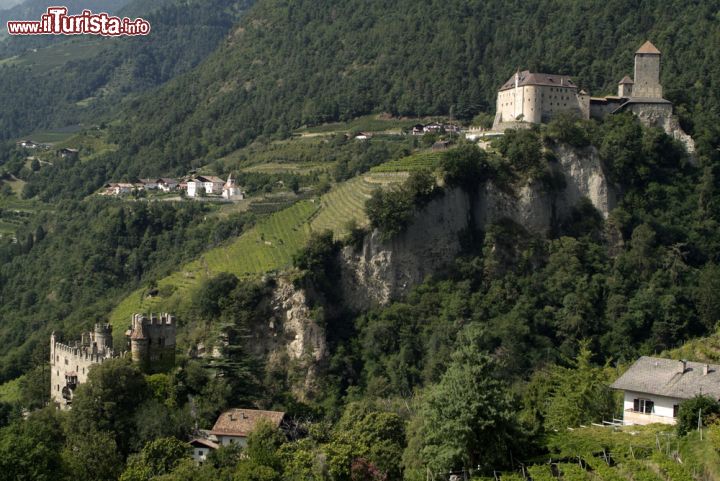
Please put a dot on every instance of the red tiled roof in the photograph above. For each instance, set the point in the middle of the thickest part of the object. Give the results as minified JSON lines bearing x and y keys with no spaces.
{"x":532,"y":78}
{"x":648,"y":47}
{"x":240,"y":422}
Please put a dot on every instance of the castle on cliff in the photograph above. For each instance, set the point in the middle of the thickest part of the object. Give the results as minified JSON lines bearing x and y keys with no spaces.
{"x":152,"y":347}
{"x":537,"y":97}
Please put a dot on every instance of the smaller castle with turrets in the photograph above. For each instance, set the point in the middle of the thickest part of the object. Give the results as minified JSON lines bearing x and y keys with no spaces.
{"x":152,"y":346}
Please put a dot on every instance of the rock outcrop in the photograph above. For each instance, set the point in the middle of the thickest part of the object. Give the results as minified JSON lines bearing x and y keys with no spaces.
{"x":298,"y":343}
{"x":383,"y":270}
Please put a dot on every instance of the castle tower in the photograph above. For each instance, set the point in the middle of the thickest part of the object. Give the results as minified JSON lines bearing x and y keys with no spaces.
{"x":625,"y":87}
{"x":102,"y":337}
{"x":647,"y":72}
{"x":152,"y":341}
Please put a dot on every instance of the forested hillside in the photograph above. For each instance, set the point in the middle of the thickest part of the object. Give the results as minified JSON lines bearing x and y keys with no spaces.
{"x":308,"y":62}
{"x":100,"y":73}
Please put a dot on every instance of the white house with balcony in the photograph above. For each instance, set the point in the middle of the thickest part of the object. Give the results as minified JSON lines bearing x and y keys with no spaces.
{"x":654,"y":388}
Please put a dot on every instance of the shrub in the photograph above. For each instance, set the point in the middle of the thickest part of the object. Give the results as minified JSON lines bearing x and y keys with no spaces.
{"x":689,"y":410}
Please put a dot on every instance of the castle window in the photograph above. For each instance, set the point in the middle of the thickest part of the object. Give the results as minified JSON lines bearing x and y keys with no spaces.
{"x":66,"y":361}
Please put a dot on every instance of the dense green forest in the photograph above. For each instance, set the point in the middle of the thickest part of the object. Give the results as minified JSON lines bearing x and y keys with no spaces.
{"x":307,"y":62}
{"x":100,"y":73}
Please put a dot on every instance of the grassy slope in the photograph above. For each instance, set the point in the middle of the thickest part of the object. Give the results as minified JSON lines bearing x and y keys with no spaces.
{"x":419,"y":160}
{"x":56,"y":55}
{"x":268,"y":246}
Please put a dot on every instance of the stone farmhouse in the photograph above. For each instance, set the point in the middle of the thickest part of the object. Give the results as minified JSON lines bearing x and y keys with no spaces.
{"x":654,"y":388}
{"x":152,"y":347}
{"x":533,"y":98}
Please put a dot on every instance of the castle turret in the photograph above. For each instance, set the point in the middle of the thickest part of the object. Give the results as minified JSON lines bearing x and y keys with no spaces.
{"x":102,"y":337}
{"x":152,"y":341}
{"x":625,"y":87}
{"x":647,"y":72}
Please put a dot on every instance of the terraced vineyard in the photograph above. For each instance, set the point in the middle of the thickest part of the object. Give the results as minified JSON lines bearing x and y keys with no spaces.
{"x":416,"y":161}
{"x":266,"y":247}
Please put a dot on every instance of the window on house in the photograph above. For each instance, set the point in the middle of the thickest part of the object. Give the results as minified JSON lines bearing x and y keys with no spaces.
{"x":676,"y":409}
{"x":645,"y":406}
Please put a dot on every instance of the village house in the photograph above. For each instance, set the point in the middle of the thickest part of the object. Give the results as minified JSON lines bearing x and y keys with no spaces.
{"x":363,"y":136}
{"x":204,"y":185}
{"x":117,"y":188}
{"x":654,"y":388}
{"x":167,"y":184}
{"x":68,"y":153}
{"x":418,"y":129}
{"x":29,"y":144}
{"x":201,"y":448}
{"x":150,"y":184}
{"x":234,"y":425}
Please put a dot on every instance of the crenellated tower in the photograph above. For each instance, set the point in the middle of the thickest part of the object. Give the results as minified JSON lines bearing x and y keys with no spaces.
{"x":152,"y":341}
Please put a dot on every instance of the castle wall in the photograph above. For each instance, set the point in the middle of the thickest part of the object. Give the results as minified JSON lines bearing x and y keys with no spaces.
{"x":77,"y":359}
{"x":152,"y":341}
{"x":647,"y":76}
{"x":538,"y":103}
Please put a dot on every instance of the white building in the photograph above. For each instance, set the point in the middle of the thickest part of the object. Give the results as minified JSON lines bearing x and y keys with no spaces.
{"x":234,"y":426}
{"x":115,"y":188}
{"x":205,"y":184}
{"x":201,"y":449}
{"x":231,"y":190}
{"x":654,"y":388}
{"x":536,"y":97}
{"x":168,"y":184}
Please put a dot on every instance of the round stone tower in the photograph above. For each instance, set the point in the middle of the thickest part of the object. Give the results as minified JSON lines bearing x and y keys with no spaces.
{"x":138,"y":340}
{"x":102,"y":335}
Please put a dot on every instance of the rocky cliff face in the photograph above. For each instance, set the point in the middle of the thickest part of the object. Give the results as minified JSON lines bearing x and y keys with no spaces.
{"x":385,"y":270}
{"x":297,"y":344}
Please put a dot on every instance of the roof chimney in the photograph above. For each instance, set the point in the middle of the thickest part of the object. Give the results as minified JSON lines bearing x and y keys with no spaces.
{"x":683,"y":366}
{"x":706,"y":369}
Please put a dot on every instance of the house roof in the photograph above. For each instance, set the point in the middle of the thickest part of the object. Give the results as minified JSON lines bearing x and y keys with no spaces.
{"x":666,"y":377}
{"x":202,"y":442}
{"x":240,"y":422}
{"x":531,"y":78}
{"x":626,"y":80}
{"x":209,"y":178}
{"x":649,"y":48}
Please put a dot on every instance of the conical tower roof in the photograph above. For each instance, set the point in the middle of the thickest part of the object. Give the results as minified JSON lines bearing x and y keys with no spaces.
{"x":648,"y":48}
